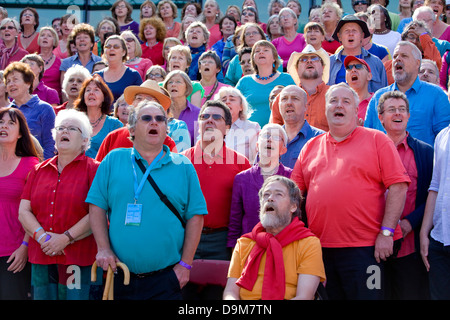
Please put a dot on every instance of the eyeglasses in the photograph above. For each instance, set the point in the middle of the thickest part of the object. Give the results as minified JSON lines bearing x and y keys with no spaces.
{"x":207,"y":62}
{"x":69,"y":129}
{"x":215,"y":116}
{"x":115,"y":46}
{"x":356,"y":66}
{"x":148,"y":118}
{"x":272,"y":136}
{"x":306,"y":59}
{"x":8,"y":27}
{"x":154,"y":75}
{"x":393,"y":110}
{"x":129,"y":40}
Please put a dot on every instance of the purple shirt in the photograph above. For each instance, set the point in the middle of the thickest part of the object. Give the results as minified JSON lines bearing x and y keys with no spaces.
{"x":47,"y":94}
{"x":244,"y":213}
{"x":190,"y":116}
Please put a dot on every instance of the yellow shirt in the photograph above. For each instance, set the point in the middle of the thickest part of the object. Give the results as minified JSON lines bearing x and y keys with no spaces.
{"x":300,"y":257}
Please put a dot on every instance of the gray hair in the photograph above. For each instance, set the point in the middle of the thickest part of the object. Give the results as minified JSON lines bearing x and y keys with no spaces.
{"x":291,"y":12}
{"x":14,"y":22}
{"x":294,"y":192}
{"x":341,"y":85}
{"x":81,"y":118}
{"x":76,"y":69}
{"x":206,"y":33}
{"x":245,"y":113}
{"x":414,"y":50}
{"x":186,"y":79}
{"x":423,"y":9}
{"x":133,"y":115}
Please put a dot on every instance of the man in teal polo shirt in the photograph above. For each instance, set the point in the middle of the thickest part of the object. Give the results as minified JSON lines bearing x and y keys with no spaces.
{"x":143,"y":232}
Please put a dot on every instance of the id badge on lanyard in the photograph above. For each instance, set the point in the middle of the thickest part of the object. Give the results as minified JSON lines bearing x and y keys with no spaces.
{"x":134,"y":210}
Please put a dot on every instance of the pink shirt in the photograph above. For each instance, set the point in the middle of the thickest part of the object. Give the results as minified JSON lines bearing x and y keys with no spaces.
{"x":141,"y":67}
{"x":208,"y":91}
{"x":407,"y":157}
{"x":11,"y":188}
{"x":286,"y":48}
{"x":52,"y":76}
{"x":215,"y":35}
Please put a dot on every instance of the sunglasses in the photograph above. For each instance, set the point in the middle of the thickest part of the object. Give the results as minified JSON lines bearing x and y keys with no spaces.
{"x":356,"y":66}
{"x":215,"y":116}
{"x":8,"y":27}
{"x":306,"y":59}
{"x":116,"y":46}
{"x":148,"y":118}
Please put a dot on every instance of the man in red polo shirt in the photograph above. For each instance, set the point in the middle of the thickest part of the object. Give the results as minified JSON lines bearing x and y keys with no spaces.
{"x":216,"y":167}
{"x":345,"y":174}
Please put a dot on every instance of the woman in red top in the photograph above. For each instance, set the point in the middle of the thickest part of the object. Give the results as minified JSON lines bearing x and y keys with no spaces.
{"x":152,"y":32}
{"x":17,"y":156}
{"x":55,"y":216}
{"x":29,"y":23}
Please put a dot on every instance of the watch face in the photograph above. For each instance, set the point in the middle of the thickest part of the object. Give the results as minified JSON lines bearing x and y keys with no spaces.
{"x":386,"y":233}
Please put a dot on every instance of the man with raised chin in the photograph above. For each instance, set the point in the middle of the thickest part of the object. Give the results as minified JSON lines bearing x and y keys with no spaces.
{"x":344,"y":174}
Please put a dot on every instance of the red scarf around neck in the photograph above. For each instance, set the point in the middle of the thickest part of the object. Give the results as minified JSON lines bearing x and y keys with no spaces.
{"x":274,"y":282}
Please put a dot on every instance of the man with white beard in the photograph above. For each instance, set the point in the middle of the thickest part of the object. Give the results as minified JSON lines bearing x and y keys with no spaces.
{"x":292,"y":254}
{"x":428,"y":104}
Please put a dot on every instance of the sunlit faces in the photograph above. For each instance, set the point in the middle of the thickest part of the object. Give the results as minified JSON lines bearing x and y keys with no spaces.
{"x":246,"y":64}
{"x":141,"y":97}
{"x":28,"y":18}
{"x":105,"y":27}
{"x":147,"y":11}
{"x":176,"y":86}
{"x":427,"y":18}
{"x":123,"y":111}
{"x":251,"y":36}
{"x":46,"y":39}
{"x":314,"y":37}
{"x":276,"y":208}
{"x":74,"y":85}
{"x":16,"y":86}
{"x":310,"y":67}
{"x":149,"y":132}
{"x":166,"y":11}
{"x":233,"y":102}
{"x":228,"y":27}
{"x":248,"y":16}
{"x":208,"y":67}
{"x":404,"y":66}
{"x":68,"y":136}
{"x":195,"y":37}
{"x":212,"y":128}
{"x":357,"y":78}
{"x":341,"y":108}
{"x":149,"y":32}
{"x":263,"y":55}
{"x":328,"y":14}
{"x":9,"y":129}
{"x":121,"y":10}
{"x":34,"y":67}
{"x":429,"y":72}
{"x":292,"y":104}
{"x":286,"y":19}
{"x":191,"y":10}
{"x":93,"y":95}
{"x":270,"y":144}
{"x":351,"y":35}
{"x":437,"y":7}
{"x":394,"y":116}
{"x":8,"y":32}
{"x":83,"y":42}
{"x":210,"y":9}
{"x":114,"y":50}
{"x":178,"y":61}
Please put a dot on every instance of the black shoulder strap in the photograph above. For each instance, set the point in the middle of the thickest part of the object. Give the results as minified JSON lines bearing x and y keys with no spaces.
{"x":161,"y":195}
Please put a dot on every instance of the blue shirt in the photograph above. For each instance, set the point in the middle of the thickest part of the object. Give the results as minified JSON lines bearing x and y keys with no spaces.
{"x":73,"y":60}
{"x":295,"y":145}
{"x":109,"y":125}
{"x":130,"y":77}
{"x":158,"y":241}
{"x":379,"y":77}
{"x":429,"y":110}
{"x":41,"y":120}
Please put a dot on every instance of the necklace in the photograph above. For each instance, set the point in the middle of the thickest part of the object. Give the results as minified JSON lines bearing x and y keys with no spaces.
{"x":382,"y":32}
{"x":264,"y":78}
{"x":132,"y":60}
{"x":26,"y":37}
{"x":48,"y":61}
{"x":96,"y":122}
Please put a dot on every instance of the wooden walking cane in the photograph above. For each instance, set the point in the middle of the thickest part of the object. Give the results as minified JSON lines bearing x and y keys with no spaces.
{"x":108,"y":294}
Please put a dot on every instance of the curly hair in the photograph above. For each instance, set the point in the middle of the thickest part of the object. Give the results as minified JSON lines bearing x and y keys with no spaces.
{"x":24,"y":69}
{"x":157,"y":24}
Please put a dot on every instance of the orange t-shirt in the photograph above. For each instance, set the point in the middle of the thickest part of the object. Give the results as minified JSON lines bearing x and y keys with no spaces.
{"x":303,"y":256}
{"x":346,"y":184}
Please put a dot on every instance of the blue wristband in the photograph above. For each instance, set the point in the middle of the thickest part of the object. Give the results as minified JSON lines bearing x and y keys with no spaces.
{"x":388,"y":229}
{"x":25,"y":243}
{"x":184,"y":264}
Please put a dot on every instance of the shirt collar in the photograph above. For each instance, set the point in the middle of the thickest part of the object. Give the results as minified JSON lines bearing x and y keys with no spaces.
{"x":53,"y":162}
{"x":415,"y":86}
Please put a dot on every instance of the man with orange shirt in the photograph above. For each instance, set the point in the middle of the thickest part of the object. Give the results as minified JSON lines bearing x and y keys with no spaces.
{"x":310,"y":70}
{"x":345,"y":174}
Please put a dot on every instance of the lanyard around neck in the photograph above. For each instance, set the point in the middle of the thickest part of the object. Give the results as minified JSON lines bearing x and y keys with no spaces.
{"x":138,"y":187}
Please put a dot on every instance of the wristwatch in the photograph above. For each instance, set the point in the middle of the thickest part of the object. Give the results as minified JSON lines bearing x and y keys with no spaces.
{"x":388,"y":232}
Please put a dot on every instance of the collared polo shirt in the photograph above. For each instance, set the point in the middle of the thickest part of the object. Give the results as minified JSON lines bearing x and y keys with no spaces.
{"x":73,"y":60}
{"x":216,"y":177}
{"x":157,"y":242}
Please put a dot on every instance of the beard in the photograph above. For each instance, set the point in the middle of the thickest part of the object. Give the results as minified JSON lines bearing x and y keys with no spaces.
{"x":310,"y":75}
{"x":274,"y":219}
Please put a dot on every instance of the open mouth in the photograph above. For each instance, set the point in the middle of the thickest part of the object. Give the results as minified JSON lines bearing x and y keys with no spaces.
{"x":64,"y":139}
{"x":339,"y":114}
{"x":153,"y":131}
{"x":269,"y":208}
{"x":398,"y":67}
{"x":3,"y":134}
{"x":354,"y":78}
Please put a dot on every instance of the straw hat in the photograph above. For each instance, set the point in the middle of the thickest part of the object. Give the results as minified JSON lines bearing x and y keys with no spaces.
{"x":151,"y":88}
{"x":309,"y":49}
